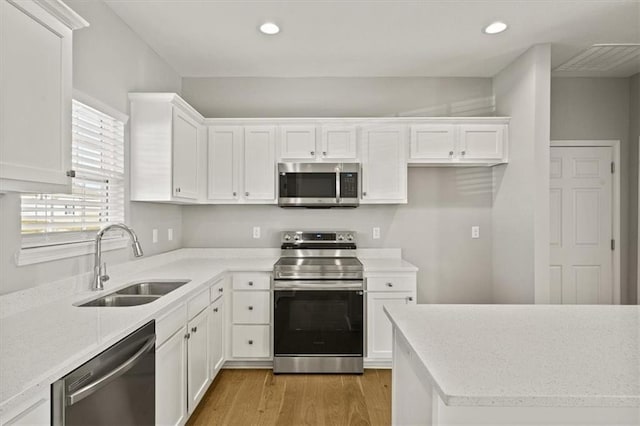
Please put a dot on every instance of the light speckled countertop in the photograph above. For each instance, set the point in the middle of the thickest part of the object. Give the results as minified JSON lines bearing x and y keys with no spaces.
{"x":527,"y":355}
{"x":43,"y":336}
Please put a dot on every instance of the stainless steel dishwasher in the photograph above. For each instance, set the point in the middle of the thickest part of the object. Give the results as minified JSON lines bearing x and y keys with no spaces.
{"x":116,"y":387}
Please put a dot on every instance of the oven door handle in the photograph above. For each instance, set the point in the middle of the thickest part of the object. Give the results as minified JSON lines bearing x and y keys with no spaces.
{"x":318,"y":285}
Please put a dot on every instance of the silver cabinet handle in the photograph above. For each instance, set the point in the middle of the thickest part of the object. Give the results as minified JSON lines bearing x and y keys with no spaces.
{"x":324,"y":153}
{"x":250,"y":283}
{"x":410,"y":299}
{"x":114,"y":374}
{"x":251,"y":308}
{"x":389,"y":284}
{"x":220,"y":290}
{"x":450,"y":152}
{"x":194,"y":329}
{"x":177,"y":189}
{"x":71,"y":173}
{"x":250,"y":342}
{"x":215,"y":309}
{"x":186,"y":336}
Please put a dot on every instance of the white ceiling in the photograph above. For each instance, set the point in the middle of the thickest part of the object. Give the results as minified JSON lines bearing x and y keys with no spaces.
{"x":209,"y":38}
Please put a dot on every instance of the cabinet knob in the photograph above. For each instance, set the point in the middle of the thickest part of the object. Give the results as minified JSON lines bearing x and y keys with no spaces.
{"x":215,"y":309}
{"x":221,"y":289}
{"x":364,"y":194}
{"x":250,"y":342}
{"x":246,"y":194}
{"x":313,"y":153}
{"x":250,"y":283}
{"x":450,"y":153}
{"x":235,"y":193}
{"x":324,"y":153}
{"x":186,"y":336}
{"x":194,"y":329}
{"x":71,"y":173}
{"x":389,"y":284}
{"x":463,"y":152}
{"x":251,"y":308}
{"x":410,"y":299}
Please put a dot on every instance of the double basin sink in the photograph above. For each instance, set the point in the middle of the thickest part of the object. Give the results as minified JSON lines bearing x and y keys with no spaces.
{"x":135,"y":294}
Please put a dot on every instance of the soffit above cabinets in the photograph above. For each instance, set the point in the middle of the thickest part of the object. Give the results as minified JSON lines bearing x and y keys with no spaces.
{"x":370,"y":38}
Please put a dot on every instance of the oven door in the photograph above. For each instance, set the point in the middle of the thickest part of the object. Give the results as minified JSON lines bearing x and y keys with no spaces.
{"x":318,"y":323}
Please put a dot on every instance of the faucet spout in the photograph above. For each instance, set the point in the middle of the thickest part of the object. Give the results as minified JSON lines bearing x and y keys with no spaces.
{"x":99,"y":270}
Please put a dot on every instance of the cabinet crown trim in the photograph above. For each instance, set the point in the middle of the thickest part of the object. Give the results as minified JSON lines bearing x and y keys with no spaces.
{"x":61,"y":12}
{"x":172,"y":98}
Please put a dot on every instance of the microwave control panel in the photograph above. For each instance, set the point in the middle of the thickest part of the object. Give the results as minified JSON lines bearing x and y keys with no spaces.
{"x":348,"y":185}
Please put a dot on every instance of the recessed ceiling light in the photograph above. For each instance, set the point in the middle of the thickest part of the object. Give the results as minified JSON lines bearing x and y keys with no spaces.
{"x":495,"y":28}
{"x":269,"y":28}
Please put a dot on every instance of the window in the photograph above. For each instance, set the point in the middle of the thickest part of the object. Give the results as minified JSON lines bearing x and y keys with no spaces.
{"x":97,"y":196}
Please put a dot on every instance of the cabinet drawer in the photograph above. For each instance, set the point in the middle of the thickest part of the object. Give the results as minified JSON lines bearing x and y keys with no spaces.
{"x":252,"y":281}
{"x":251,"y":307}
{"x":217,"y":289}
{"x":197,"y":303}
{"x":250,"y":341}
{"x":391,"y":283}
{"x":169,"y":323}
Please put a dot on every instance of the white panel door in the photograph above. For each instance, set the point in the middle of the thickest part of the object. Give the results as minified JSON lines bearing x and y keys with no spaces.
{"x":581,"y":206}
{"x":379,"y":328}
{"x":216,"y":330}
{"x":433,"y":141}
{"x":338,"y":142}
{"x":297,"y":142}
{"x":259,"y":163}
{"x":35,"y":105}
{"x":384,"y":166}
{"x":197,"y":358}
{"x":171,"y":380}
{"x":223,"y":154}
{"x":185,"y":156}
{"x":481,"y":141}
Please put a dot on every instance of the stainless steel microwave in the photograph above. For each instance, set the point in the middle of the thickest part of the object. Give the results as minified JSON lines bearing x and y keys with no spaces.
{"x":318,"y":184}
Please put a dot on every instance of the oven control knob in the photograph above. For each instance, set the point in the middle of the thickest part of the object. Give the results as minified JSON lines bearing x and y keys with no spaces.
{"x":297,"y":237}
{"x":287,"y":237}
{"x":340,"y":237}
{"x":349,"y":237}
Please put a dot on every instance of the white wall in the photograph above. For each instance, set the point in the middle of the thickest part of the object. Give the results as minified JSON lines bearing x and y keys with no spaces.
{"x":433,"y":230}
{"x":634,"y":142}
{"x":520,"y":214}
{"x":110,"y":60}
{"x":598,"y":108}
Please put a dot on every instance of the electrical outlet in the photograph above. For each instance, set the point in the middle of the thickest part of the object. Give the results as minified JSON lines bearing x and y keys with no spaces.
{"x":170,"y":234}
{"x":256,"y":232}
{"x":376,"y":233}
{"x":154,"y":237}
{"x":475,"y":232}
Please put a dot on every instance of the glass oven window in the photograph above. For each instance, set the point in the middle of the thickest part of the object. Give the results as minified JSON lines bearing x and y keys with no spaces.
{"x":318,"y":323}
{"x":308,"y":185}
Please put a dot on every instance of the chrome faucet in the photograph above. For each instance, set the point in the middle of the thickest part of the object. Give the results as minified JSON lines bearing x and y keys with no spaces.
{"x":99,"y":270}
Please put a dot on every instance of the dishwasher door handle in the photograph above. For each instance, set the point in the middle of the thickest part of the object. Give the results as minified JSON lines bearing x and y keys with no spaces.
{"x":112,"y":375}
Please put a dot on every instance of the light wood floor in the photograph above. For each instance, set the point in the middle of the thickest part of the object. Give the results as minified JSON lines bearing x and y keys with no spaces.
{"x":258,"y":397}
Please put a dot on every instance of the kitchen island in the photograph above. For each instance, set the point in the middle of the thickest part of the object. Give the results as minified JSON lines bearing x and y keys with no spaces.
{"x":515,"y":364}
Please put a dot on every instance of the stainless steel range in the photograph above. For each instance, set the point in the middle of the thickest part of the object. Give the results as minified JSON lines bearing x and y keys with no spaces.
{"x":318,"y":304}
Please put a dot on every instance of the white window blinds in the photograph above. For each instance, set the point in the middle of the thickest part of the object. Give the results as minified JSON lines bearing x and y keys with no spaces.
{"x":97,"y":196}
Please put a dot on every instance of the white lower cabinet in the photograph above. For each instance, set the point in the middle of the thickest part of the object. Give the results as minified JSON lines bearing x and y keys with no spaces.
{"x":389,"y":290}
{"x":216,"y":333}
{"x":250,"y":341}
{"x":197,"y":358}
{"x":171,"y":380}
{"x":36,"y":412}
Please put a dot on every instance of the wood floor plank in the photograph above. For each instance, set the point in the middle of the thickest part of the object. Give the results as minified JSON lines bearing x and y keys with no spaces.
{"x":258,"y":397}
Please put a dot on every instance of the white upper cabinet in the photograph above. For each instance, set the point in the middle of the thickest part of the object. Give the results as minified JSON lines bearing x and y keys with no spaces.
{"x":384,"y":165}
{"x":167,"y":142}
{"x":338,"y":142}
{"x":482,"y":141}
{"x":460,"y":141}
{"x":297,"y":142}
{"x":259,"y":163}
{"x":327,"y":142}
{"x":36,"y":87}
{"x":225,"y":145}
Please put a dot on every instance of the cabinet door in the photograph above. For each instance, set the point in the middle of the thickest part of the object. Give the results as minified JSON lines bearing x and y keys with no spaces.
{"x":379,"y":336}
{"x":433,"y":142}
{"x":185,"y":156}
{"x":171,"y":380}
{"x":297,"y":142}
{"x":339,"y":143}
{"x":37,"y":413}
{"x":384,"y":166}
{"x":251,"y":307}
{"x":259,"y":163}
{"x":197,"y":358}
{"x":35,"y":106}
{"x":223,"y":165}
{"x":216,"y":344}
{"x":481,"y":141}
{"x":250,"y":341}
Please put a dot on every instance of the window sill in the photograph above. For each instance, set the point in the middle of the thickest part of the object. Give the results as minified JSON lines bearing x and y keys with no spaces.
{"x":30,"y":256}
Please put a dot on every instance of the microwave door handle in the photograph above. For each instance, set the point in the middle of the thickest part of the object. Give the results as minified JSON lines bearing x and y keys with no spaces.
{"x":337,"y":185}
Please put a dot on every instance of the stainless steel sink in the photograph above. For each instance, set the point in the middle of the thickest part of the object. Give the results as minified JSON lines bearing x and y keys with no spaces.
{"x":155,"y":288}
{"x":120,"y":300}
{"x":135,"y":294}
